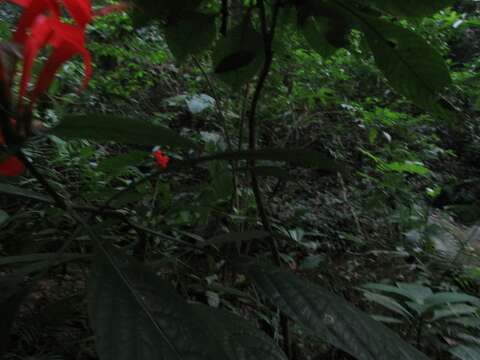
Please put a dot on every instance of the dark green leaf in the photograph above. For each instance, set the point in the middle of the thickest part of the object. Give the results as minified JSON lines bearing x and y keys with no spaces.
{"x":466,"y":352}
{"x":239,"y":56}
{"x":115,"y":165}
{"x":329,"y":316}
{"x":324,"y":27}
{"x":235,"y":61}
{"x":413,"y":67}
{"x":120,"y":129}
{"x":236,"y":237}
{"x":410,"y":8}
{"x":137,"y":315}
{"x":3,"y":217}
{"x":11,"y":260}
{"x":23,"y":193}
{"x":190,"y":34}
{"x":300,"y":157}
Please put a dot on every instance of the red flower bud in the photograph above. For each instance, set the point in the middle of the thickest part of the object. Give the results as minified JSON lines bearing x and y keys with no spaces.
{"x":161,"y":159}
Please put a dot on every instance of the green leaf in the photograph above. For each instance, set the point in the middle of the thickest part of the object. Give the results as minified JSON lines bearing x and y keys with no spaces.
{"x":23,"y":193}
{"x":3,"y":217}
{"x":454,"y":310}
{"x":11,"y":260}
{"x":388,"y":303}
{"x":239,"y":56}
{"x":477,"y":104}
{"x":328,"y":316}
{"x":406,"y":167}
{"x":411,"y":8}
{"x":136,"y":315}
{"x":412,"y":66}
{"x":418,"y":293}
{"x":300,"y":157}
{"x":387,"y":319}
{"x":388,"y":288}
{"x":190,"y":34}
{"x":466,"y":352}
{"x":324,"y":27}
{"x":115,"y":165}
{"x":444,"y":298}
{"x":102,"y":128}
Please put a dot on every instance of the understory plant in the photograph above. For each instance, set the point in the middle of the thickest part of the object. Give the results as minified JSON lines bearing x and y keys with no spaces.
{"x":138,"y":306}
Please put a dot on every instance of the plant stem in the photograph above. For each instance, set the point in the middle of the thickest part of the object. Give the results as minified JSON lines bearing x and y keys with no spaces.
{"x":268,"y":36}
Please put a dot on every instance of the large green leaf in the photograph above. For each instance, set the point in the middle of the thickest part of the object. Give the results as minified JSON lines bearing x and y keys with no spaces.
{"x":23,"y":193}
{"x":19,"y":259}
{"x":411,"y":65}
{"x":239,"y":56}
{"x":128,"y":130}
{"x":466,"y":352}
{"x":190,"y":34}
{"x":329,"y":316}
{"x":138,"y":316}
{"x":410,"y":8}
{"x":324,"y":27}
{"x":300,"y":157}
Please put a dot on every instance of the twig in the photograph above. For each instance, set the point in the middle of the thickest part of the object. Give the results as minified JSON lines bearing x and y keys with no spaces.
{"x":268,"y":37}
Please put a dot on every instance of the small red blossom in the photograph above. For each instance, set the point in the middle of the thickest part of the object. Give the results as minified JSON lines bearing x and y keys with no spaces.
{"x":161,"y":159}
{"x":12,"y":166}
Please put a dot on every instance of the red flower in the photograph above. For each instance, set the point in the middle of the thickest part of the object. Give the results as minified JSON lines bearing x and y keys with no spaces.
{"x":161,"y":159}
{"x":41,"y":25}
{"x":12,"y":166}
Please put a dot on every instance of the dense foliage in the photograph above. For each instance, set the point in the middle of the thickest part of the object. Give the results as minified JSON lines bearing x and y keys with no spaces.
{"x":228,"y":179}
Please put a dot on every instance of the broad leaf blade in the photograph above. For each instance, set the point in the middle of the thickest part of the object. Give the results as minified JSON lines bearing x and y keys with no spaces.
{"x":23,"y":193}
{"x":329,"y":316}
{"x":466,"y":352}
{"x":190,"y":34}
{"x":239,"y":56}
{"x":443,"y":298}
{"x":324,"y":27}
{"x":120,"y":129}
{"x":300,"y":157}
{"x":241,"y":340}
{"x":412,"y":66}
{"x":138,"y":316}
{"x":411,"y":8}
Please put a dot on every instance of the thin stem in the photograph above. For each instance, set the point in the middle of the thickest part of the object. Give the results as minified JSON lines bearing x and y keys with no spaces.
{"x":268,"y":37}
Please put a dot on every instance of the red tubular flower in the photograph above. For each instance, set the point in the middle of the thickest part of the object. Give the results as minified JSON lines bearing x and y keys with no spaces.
{"x":41,"y":25}
{"x":161,"y":159}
